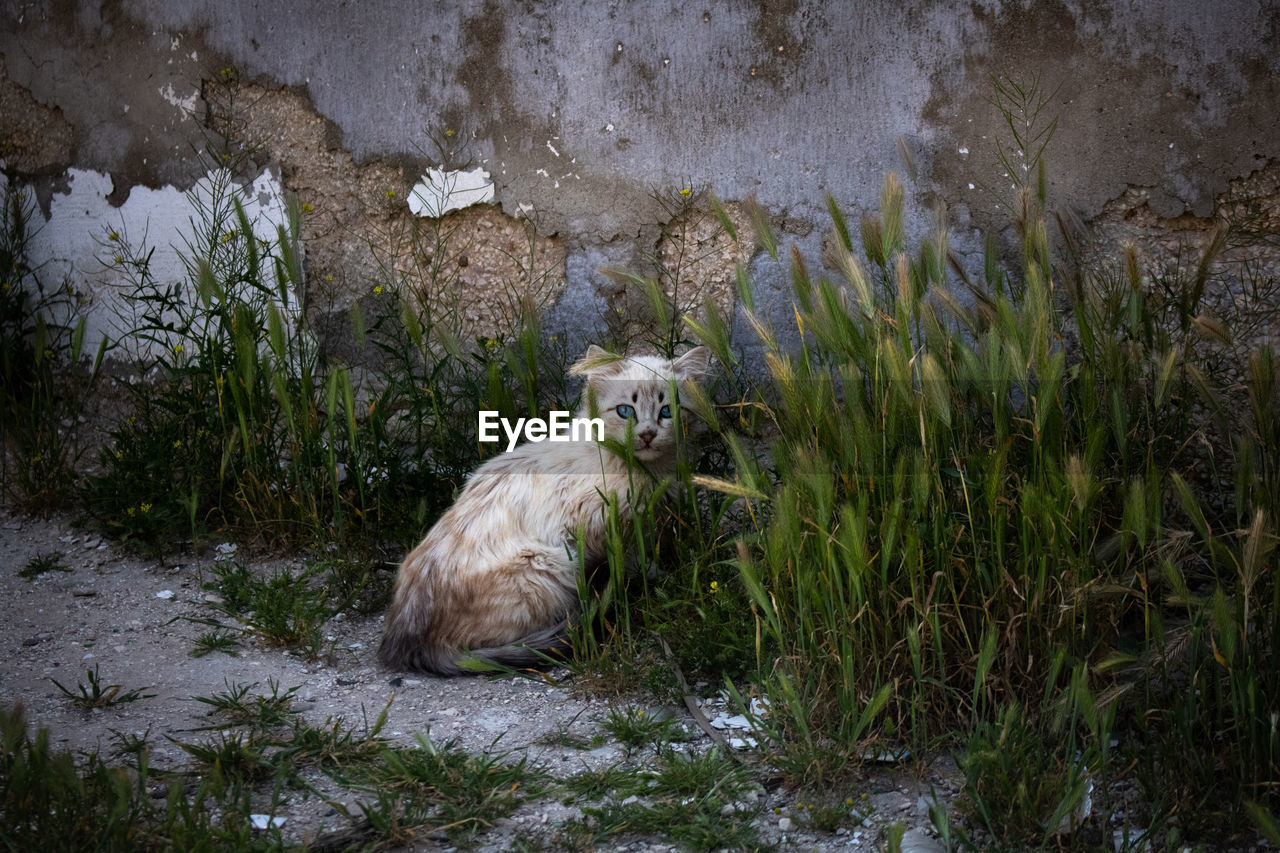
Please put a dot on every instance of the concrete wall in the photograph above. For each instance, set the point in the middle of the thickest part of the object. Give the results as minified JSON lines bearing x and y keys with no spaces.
{"x":582,"y":112}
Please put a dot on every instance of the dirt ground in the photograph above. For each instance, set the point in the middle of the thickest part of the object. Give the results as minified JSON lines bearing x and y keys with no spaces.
{"x":117,"y":611}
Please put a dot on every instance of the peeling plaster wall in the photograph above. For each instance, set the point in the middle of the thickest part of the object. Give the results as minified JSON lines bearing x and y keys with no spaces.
{"x":89,"y":245}
{"x":581,"y":111}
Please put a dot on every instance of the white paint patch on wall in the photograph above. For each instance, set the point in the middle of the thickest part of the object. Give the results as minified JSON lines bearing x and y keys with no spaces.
{"x":85,"y":243}
{"x":440,"y":192}
{"x":187,"y":105}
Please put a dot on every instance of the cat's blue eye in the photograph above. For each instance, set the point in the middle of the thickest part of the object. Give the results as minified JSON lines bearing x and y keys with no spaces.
{"x":625,"y":411}
{"x":665,"y":412}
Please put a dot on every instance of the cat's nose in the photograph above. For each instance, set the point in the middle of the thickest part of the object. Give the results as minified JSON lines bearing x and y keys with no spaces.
{"x":648,"y":436}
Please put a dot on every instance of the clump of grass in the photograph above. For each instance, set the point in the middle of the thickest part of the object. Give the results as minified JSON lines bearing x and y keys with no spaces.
{"x":50,"y":561}
{"x":693,"y":822}
{"x":50,"y":802}
{"x":335,"y":746}
{"x":95,"y":694}
{"x":1023,"y":786}
{"x":219,"y":639}
{"x":41,"y":340}
{"x":698,"y":774}
{"x":237,"y":758}
{"x":563,"y":737}
{"x":432,"y":787}
{"x":285,"y":609}
{"x":615,"y":780}
{"x":260,"y":713}
{"x":635,"y":727}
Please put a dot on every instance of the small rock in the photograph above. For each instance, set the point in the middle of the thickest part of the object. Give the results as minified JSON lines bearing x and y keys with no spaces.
{"x":262,"y":821}
{"x":165,"y":594}
{"x":917,"y":841}
{"x":785,"y":824}
{"x":84,"y":592}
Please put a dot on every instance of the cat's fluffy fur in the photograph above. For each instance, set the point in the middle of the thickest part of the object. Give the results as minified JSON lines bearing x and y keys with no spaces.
{"x":496,"y":578}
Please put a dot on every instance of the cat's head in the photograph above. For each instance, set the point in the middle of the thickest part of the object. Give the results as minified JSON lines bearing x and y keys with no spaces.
{"x":639,"y":393}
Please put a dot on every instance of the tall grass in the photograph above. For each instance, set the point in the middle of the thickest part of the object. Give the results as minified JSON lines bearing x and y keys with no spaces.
{"x":978,"y":498}
{"x":44,"y":380}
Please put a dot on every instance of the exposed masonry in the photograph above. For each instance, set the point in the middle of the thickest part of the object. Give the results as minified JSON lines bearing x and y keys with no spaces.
{"x":34,"y":138}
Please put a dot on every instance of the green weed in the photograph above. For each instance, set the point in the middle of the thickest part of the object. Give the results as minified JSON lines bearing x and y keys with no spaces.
{"x":563,"y":737}
{"x":443,"y":788}
{"x":44,"y":378}
{"x":39,"y":564}
{"x":47,"y":801}
{"x":694,"y":822}
{"x":285,"y":609}
{"x":698,"y":774}
{"x":98,"y":695}
{"x":615,"y":780}
{"x":236,"y":758}
{"x":217,"y":640}
{"x":260,"y":713}
{"x":635,"y":728}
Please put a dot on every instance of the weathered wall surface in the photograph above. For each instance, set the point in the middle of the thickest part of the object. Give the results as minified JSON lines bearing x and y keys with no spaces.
{"x":583,"y":111}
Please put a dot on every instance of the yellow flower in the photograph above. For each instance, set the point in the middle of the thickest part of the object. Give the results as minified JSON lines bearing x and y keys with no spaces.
{"x":177,"y":443}
{"x":377,"y":290}
{"x":685,"y":191}
{"x":391,"y":193}
{"x":715,"y":587}
{"x":306,"y":207}
{"x":491,"y":344}
{"x":177,"y":348}
{"x":130,"y":511}
{"x":448,"y":133}
{"x":113,"y":236}
{"x":146,"y":508}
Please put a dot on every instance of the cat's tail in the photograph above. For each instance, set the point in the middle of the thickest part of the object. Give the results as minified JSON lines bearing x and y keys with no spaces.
{"x":532,"y":650}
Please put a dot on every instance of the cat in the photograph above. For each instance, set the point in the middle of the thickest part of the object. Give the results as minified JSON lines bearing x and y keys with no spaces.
{"x":495,"y":579}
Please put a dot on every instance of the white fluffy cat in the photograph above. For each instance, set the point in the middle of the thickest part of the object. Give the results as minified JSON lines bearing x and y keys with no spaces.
{"x":496,"y":578}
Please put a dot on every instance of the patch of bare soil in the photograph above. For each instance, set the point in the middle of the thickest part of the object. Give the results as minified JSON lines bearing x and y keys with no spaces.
{"x":124,"y":615}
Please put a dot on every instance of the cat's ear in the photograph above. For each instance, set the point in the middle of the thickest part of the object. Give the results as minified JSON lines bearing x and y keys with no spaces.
{"x":693,"y":364}
{"x":596,"y":361}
